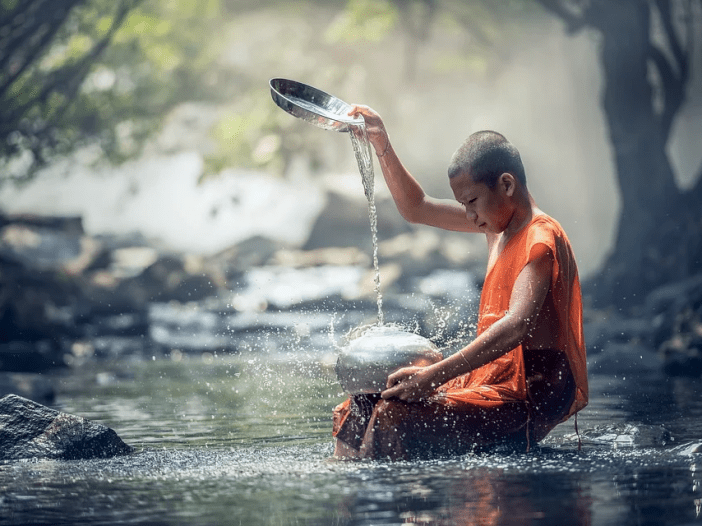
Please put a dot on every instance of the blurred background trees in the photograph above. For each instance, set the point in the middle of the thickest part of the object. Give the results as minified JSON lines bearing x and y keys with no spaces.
{"x":648,"y":52}
{"x":108,"y":74}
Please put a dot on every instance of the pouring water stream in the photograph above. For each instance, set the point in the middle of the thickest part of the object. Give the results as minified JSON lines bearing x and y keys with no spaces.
{"x":362,"y":150}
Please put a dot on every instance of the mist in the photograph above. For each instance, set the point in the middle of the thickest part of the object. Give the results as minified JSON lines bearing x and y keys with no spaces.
{"x":542,"y":92}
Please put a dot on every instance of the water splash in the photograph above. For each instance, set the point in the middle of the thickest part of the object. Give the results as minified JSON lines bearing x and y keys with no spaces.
{"x":361,"y":147}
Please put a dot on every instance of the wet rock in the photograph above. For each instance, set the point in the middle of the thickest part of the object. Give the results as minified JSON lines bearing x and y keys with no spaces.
{"x":627,"y":435}
{"x":682,"y":355}
{"x":667,"y":307}
{"x":31,"y":430}
{"x":253,"y":252}
{"x":35,"y":305}
{"x":167,"y":279}
{"x":603,"y":328}
{"x":623,"y":359}
{"x":68,"y":224}
{"x":676,"y":312}
{"x":344,"y":222}
{"x":36,"y":387}
{"x":45,"y":246}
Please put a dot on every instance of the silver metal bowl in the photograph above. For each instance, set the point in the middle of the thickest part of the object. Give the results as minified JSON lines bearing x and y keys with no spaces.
{"x":366,"y":361}
{"x":312,"y":105}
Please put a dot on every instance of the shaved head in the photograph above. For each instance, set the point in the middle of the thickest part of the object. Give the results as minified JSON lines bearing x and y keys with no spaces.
{"x":486,"y":155}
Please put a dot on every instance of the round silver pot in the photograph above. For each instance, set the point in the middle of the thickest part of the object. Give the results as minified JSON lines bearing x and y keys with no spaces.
{"x":366,"y":361}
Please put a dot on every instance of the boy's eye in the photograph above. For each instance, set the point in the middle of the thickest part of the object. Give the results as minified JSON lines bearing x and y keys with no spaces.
{"x":472,"y":200}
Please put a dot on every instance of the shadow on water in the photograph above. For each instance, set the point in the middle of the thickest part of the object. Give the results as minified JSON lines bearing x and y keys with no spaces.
{"x":245,"y":439}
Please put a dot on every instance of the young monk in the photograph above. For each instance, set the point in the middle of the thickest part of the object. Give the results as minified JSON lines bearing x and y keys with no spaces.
{"x":525,"y":372}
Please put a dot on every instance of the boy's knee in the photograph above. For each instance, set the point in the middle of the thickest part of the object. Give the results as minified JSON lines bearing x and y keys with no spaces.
{"x":391,"y":411}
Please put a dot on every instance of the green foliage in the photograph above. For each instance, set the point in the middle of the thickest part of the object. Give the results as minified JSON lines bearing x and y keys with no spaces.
{"x":112,"y":69}
{"x":367,"y":20}
{"x":80,"y":89}
{"x":247,"y":135}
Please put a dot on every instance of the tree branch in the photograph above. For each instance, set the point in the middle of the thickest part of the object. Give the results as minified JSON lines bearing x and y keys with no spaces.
{"x":35,"y":49}
{"x":574,"y":23}
{"x":673,"y":88}
{"x":679,"y":53}
{"x":9,"y":17}
{"x":67,"y":79}
{"x":82,"y":68}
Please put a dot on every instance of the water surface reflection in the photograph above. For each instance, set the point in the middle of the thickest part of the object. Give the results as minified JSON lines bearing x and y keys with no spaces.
{"x":245,"y":440}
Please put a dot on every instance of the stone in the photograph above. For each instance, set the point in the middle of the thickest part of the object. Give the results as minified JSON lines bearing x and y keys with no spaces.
{"x":30,"y":430}
{"x":344,"y":222}
{"x":618,"y":358}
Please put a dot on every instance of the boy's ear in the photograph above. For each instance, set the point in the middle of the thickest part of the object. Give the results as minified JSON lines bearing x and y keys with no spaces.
{"x":508,"y":183}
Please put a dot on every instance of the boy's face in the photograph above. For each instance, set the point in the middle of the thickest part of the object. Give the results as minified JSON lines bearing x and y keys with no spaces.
{"x":489,"y":210}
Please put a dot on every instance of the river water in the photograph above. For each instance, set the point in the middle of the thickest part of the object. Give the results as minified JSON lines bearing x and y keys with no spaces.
{"x":245,"y":439}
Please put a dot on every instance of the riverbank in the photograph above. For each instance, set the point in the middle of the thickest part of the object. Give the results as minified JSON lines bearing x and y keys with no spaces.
{"x":70,"y":298}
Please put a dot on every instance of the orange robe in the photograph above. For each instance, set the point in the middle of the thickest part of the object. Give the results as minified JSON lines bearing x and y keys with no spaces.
{"x":510,"y":397}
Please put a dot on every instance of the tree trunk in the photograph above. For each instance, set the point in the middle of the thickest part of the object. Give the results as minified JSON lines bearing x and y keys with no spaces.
{"x":657,"y":223}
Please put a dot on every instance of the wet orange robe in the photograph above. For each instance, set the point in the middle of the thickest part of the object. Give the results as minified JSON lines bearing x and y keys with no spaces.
{"x":493,"y":401}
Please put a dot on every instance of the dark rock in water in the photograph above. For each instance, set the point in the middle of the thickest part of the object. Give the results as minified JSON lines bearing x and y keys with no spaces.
{"x":676,"y":311}
{"x":624,"y":358}
{"x":167,"y":279}
{"x":68,"y":224}
{"x":669,"y":305}
{"x":604,"y":328}
{"x":36,"y":387}
{"x":54,"y":244}
{"x":682,"y":356}
{"x":31,"y":430}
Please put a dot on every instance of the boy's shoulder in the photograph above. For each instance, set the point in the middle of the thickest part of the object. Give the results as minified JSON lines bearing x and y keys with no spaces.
{"x":544,"y":222}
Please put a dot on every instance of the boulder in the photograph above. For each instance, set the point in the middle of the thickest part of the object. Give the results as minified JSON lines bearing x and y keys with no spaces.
{"x":624,"y":359}
{"x":344,"y":222}
{"x":31,"y":430}
{"x":672,"y":306}
{"x":602,"y":328}
{"x":167,"y":279}
{"x":676,"y":313}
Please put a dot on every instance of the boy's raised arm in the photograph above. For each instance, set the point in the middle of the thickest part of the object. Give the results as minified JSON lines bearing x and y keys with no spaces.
{"x":414,"y":205}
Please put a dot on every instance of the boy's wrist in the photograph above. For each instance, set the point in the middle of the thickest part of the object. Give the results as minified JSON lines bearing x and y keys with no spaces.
{"x":384,"y":147}
{"x":439,"y":374}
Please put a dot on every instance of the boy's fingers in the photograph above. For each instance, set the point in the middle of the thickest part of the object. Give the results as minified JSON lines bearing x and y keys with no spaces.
{"x":399,"y":375}
{"x":398,"y":391}
{"x":360,"y":109}
{"x":356,"y":110}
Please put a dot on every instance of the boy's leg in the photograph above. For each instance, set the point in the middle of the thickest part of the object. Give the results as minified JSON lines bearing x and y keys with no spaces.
{"x":551,"y":389}
{"x":400,"y":430}
{"x":350,"y":421}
